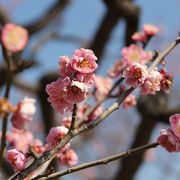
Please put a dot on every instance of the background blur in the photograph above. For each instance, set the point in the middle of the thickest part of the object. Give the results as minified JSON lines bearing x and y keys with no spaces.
{"x":58,"y":27}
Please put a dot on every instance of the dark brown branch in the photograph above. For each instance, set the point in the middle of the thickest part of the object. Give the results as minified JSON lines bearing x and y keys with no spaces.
{"x":51,"y":14}
{"x":103,"y":161}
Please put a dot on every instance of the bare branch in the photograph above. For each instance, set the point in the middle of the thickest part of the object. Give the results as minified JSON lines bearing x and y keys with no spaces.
{"x":99,"y":162}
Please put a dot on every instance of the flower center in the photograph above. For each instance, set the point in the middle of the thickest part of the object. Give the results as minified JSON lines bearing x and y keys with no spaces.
{"x":84,"y":63}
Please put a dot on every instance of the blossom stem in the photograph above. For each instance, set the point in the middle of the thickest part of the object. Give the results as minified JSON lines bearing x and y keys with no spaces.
{"x":74,"y":114}
{"x":7,"y":58}
{"x":103,"y":161}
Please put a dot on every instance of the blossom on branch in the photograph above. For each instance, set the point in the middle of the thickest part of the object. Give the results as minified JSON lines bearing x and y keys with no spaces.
{"x":84,"y":61}
{"x":17,"y":159}
{"x":135,"y":74}
{"x":14,"y":37}
{"x":152,"y":82}
{"x":135,"y":54}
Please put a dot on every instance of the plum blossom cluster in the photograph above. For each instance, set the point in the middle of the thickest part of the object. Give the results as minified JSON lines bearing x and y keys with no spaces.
{"x":14,"y":37}
{"x":76,"y":76}
{"x":170,"y":138}
{"x":130,"y":55}
{"x":149,"y":81}
{"x":135,"y":53}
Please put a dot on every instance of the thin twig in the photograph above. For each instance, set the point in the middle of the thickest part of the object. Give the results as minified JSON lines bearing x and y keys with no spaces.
{"x":71,"y":134}
{"x":74,"y":114}
{"x":7,"y":58}
{"x":99,"y":162}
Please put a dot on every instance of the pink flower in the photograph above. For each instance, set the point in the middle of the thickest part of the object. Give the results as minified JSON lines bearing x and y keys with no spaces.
{"x":117,"y":69}
{"x":129,"y":102}
{"x":68,"y":158}
{"x":150,"y":29}
{"x":84,"y":61}
{"x":17,"y":159}
{"x":56,"y":94}
{"x":166,"y":81}
{"x":139,"y":37}
{"x":152,"y":82}
{"x":169,"y":140}
{"x":37,"y":147}
{"x":103,"y":86}
{"x":56,"y":134}
{"x":175,"y":124}
{"x":14,"y":37}
{"x":135,"y":74}
{"x":86,"y":78}
{"x":24,"y":113}
{"x":20,"y":140}
{"x":65,"y":68}
{"x":76,"y":92}
{"x":135,"y":54}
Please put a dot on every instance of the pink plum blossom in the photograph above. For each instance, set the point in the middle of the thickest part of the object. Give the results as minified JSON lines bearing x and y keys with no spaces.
{"x":14,"y":37}
{"x":139,"y":37}
{"x":152,"y":82}
{"x":117,"y":69}
{"x":55,"y":135}
{"x":86,"y":78}
{"x":24,"y":113}
{"x":17,"y":159}
{"x":135,"y":54}
{"x":76,"y":92}
{"x":129,"y":101}
{"x":150,"y":29}
{"x":84,"y":61}
{"x":56,"y":94}
{"x":175,"y":124}
{"x":65,"y":68}
{"x":169,"y":140}
{"x":135,"y":74}
{"x":103,"y":86}
{"x":20,"y":140}
{"x":68,"y":158}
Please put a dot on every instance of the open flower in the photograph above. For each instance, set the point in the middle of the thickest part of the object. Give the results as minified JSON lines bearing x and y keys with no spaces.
{"x":56,"y":94}
{"x":84,"y":61}
{"x":75,"y":92}
{"x":135,"y":54}
{"x":17,"y":159}
{"x":135,"y":74}
{"x":152,"y":82}
{"x":14,"y":37}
